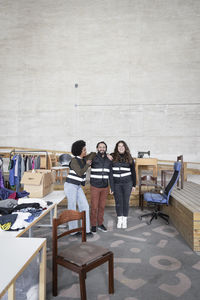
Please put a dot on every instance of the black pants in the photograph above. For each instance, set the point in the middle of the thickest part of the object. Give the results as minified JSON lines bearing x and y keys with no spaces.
{"x":122,"y":194}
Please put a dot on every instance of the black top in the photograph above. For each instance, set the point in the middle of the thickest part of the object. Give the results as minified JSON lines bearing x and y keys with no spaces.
{"x":124,"y":172}
{"x":101,"y":172}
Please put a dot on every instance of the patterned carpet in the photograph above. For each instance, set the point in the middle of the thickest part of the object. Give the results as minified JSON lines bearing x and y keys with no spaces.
{"x":150,"y":262}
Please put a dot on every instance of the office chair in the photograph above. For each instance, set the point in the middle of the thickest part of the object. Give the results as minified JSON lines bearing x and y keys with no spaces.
{"x":160,"y":199}
{"x":164,"y":173}
{"x":79,"y":257}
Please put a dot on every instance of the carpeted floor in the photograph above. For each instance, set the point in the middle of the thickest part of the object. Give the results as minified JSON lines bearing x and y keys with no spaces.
{"x":150,"y":262}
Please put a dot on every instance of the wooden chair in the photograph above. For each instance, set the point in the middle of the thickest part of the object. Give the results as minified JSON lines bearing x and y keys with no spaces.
{"x":164,"y":173}
{"x":150,"y":183}
{"x":80,"y":257}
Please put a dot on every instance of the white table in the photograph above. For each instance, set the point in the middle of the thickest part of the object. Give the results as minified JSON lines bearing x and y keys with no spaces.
{"x":15,"y":256}
{"x":56,"y":197}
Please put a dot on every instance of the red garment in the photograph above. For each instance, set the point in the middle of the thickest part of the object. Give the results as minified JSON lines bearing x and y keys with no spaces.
{"x":13,"y":196}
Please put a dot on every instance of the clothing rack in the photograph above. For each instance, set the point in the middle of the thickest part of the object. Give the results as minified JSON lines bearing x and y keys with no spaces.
{"x":13,"y":151}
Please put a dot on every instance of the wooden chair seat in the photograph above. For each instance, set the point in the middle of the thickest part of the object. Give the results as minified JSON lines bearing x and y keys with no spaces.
{"x":83,"y":253}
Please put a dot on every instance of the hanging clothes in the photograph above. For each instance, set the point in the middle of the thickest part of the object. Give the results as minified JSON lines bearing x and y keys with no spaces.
{"x":37,"y":162}
{"x":1,"y":173}
{"x":22,"y":166}
{"x":15,"y":171}
{"x":1,"y":180}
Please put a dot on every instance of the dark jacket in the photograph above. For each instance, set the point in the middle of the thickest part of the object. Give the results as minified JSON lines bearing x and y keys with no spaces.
{"x":124,"y":172}
{"x":101,"y":172}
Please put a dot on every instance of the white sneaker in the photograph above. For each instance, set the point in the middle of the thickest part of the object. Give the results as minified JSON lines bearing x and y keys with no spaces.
{"x":124,"y":224}
{"x":119,"y":222}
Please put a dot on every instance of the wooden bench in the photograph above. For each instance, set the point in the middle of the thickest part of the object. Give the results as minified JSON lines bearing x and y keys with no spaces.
{"x":184,"y":212}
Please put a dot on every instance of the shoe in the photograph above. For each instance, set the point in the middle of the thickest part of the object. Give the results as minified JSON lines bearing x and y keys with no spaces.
{"x":94,"y":229}
{"x":124,"y":224}
{"x":102,"y":228}
{"x":89,"y":234}
{"x":119,"y":221}
{"x":76,"y":234}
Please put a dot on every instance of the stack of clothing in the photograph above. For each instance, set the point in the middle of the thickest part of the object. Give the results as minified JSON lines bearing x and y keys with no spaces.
{"x":17,"y":210}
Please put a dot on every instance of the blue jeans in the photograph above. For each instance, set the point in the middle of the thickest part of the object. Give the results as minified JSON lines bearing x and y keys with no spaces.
{"x":75,"y":195}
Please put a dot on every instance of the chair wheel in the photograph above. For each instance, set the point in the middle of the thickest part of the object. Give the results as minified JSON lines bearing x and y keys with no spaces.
{"x":140,"y":218}
{"x":148,"y":223}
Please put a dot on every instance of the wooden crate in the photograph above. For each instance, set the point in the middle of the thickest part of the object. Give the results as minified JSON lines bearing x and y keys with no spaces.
{"x":134,"y":199}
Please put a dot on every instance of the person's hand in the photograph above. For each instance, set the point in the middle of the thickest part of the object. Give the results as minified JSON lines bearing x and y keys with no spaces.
{"x":109,"y":156}
{"x":133,"y":189}
{"x":89,"y":162}
{"x":111,"y":193}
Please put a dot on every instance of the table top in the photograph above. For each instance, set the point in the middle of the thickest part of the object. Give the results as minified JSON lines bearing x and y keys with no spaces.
{"x":15,"y":255}
{"x":59,"y":168}
{"x":146,"y":161}
{"x":56,"y":197}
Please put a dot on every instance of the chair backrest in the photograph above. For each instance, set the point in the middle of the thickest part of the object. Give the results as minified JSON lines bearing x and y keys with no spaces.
{"x":173,"y":180}
{"x":147,"y":180}
{"x":180,"y":159}
{"x":65,"y":217}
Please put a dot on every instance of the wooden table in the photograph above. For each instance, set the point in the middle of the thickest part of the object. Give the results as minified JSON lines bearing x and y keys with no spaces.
{"x":17,"y":253}
{"x":146,"y":162}
{"x":15,"y":256}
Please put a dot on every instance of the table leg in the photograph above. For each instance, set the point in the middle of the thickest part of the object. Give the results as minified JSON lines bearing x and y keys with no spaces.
{"x":30,"y":234}
{"x":11,"y":292}
{"x":162,"y":179}
{"x":61,"y":176}
{"x":42,"y":276}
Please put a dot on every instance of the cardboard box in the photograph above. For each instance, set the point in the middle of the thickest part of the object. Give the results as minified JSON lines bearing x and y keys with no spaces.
{"x":38,"y":183}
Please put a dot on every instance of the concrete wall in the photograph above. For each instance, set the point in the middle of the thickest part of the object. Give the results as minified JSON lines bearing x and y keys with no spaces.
{"x":136,"y":63}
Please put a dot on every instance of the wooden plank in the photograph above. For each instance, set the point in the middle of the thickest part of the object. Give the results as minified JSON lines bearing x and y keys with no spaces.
{"x":187,"y":203}
{"x":188,"y":193}
{"x":196,"y":224}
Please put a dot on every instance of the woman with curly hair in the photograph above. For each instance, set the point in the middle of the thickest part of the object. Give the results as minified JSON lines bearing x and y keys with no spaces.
{"x":124,"y":181}
{"x":77,"y":177}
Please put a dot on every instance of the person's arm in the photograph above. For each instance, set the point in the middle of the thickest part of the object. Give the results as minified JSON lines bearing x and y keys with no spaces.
{"x":90,"y":156}
{"x":133,"y":173}
{"x":76,"y":167}
{"x":111,"y":181}
{"x":109,"y":156}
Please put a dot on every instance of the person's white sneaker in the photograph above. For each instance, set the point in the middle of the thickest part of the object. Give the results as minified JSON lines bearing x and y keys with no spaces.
{"x":124,"y":224}
{"x":119,"y":222}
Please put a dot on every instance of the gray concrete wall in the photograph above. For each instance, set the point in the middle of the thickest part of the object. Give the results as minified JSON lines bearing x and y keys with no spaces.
{"x":136,"y":63}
